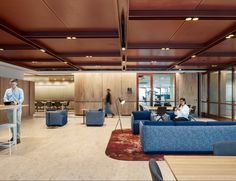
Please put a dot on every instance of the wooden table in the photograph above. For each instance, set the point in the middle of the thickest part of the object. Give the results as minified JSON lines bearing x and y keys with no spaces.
{"x":154,"y":108}
{"x":199,"y":168}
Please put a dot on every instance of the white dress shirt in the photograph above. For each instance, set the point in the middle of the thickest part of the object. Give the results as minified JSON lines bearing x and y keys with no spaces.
{"x":182,"y":111}
{"x":16,"y":95}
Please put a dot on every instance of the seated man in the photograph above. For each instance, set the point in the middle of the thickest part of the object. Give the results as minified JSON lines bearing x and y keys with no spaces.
{"x":181,"y":113}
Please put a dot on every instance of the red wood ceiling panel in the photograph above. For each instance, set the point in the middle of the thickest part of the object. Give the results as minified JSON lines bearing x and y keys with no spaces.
{"x":101,"y":67}
{"x":82,"y":45}
{"x":229,"y":45}
{"x":158,"y":53}
{"x":217,"y":4}
{"x":76,"y":60}
{"x":30,"y":15}
{"x":149,"y":31}
{"x":46,"y":64}
{"x":210,"y":60}
{"x":27,"y":54}
{"x":200,"y":31}
{"x":163,"y":4}
{"x":86,"y":14}
{"x":8,"y":39}
{"x":149,"y":63}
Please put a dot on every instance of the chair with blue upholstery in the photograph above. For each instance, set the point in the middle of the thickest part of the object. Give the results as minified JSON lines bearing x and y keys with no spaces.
{"x":225,"y":148}
{"x":95,"y":117}
{"x":56,"y":118}
{"x":138,"y":116}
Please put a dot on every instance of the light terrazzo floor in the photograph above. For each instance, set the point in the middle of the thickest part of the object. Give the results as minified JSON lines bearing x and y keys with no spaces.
{"x":72,"y":152}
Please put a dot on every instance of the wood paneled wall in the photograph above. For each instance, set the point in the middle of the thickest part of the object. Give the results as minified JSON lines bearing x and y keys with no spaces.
{"x":90,"y":90}
{"x":29,"y":95}
{"x":187,"y":87}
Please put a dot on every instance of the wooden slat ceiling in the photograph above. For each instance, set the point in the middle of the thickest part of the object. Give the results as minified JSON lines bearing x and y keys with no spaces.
{"x":155,"y":34}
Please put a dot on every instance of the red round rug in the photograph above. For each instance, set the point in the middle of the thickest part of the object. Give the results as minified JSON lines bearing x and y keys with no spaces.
{"x":126,"y":146}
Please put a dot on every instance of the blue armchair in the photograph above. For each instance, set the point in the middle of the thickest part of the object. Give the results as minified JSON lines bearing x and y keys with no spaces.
{"x":138,"y":116}
{"x":56,"y":118}
{"x":95,"y":118}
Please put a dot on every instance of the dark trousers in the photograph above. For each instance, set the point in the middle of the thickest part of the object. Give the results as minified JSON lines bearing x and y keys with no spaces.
{"x":181,"y":119}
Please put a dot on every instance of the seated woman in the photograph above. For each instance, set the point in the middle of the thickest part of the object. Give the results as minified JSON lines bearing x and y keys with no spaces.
{"x":181,"y":113}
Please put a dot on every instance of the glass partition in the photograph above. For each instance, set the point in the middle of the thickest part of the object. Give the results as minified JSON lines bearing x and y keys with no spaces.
{"x":226,"y":94}
{"x":144,"y":90}
{"x":214,"y":93}
{"x":204,"y":97}
{"x":163,"y":90}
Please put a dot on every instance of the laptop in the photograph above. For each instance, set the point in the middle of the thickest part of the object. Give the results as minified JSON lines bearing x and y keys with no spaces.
{"x":8,"y":103}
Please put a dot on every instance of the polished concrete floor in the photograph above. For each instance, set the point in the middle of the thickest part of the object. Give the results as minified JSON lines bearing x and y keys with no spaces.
{"x":72,"y":152}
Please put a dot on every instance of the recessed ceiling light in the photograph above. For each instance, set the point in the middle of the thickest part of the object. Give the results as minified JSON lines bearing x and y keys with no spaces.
{"x":167,"y":48}
{"x":195,"y":19}
{"x":42,"y":50}
{"x":214,"y":65}
{"x":88,"y":56}
{"x":68,"y":38}
{"x":34,"y":62}
{"x":229,"y":36}
{"x":73,"y":38}
{"x":162,"y":48}
{"x":1,"y":49}
{"x":193,"y":56}
{"x":123,"y":49}
{"x":188,"y":19}
{"x":65,"y":62}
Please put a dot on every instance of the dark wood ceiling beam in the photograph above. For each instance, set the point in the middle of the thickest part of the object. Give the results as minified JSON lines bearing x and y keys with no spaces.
{"x":33,"y":60}
{"x":217,"y":54}
{"x":16,"y":47}
{"x":164,"y":45}
{"x":77,"y":34}
{"x":146,"y":66}
{"x":7,"y":28}
{"x":214,"y":41}
{"x":97,"y":63}
{"x":182,"y":14}
{"x":94,"y":54}
{"x":149,"y":59}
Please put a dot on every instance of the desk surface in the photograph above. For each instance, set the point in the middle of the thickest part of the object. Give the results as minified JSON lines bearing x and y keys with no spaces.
{"x":202,"y":167}
{"x":3,"y":107}
{"x":154,"y":108}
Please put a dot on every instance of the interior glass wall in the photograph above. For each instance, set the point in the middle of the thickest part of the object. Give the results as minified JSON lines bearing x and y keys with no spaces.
{"x":213,"y":93}
{"x":204,"y":94}
{"x":163,"y":90}
{"x":226,"y":94}
{"x":156,"y":90}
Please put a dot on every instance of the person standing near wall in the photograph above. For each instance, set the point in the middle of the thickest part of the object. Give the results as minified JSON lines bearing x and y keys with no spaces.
{"x":16,"y":96}
{"x":108,"y":104}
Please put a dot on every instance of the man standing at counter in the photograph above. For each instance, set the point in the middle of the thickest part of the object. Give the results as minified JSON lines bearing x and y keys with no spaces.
{"x":16,"y":96}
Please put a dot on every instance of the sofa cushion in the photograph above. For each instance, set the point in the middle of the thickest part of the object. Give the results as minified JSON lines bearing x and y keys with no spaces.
{"x":220,"y":123}
{"x":142,"y":115}
{"x":159,"y":123}
{"x":190,"y":123}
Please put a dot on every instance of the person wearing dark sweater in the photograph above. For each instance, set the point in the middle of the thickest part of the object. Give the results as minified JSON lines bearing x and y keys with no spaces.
{"x":108,"y":103}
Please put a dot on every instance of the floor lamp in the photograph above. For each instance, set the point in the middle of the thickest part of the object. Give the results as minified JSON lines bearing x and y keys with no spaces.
{"x":121,"y":101}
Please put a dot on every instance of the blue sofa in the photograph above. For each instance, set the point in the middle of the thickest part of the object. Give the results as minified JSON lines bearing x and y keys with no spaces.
{"x":184,"y":136}
{"x":95,"y":117}
{"x":139,"y":116}
{"x":56,"y":118}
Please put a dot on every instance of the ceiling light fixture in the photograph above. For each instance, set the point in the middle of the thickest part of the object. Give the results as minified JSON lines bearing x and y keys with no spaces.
{"x":123,"y":49}
{"x":34,"y":62}
{"x":195,"y":19}
{"x":65,"y":62}
{"x":42,"y":50}
{"x":73,"y":38}
{"x":229,"y":36}
{"x":88,"y":56}
{"x":188,"y":19}
{"x":193,"y":56}
{"x":165,"y":48}
{"x":214,"y":65}
{"x":1,"y":49}
{"x":68,"y":38}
